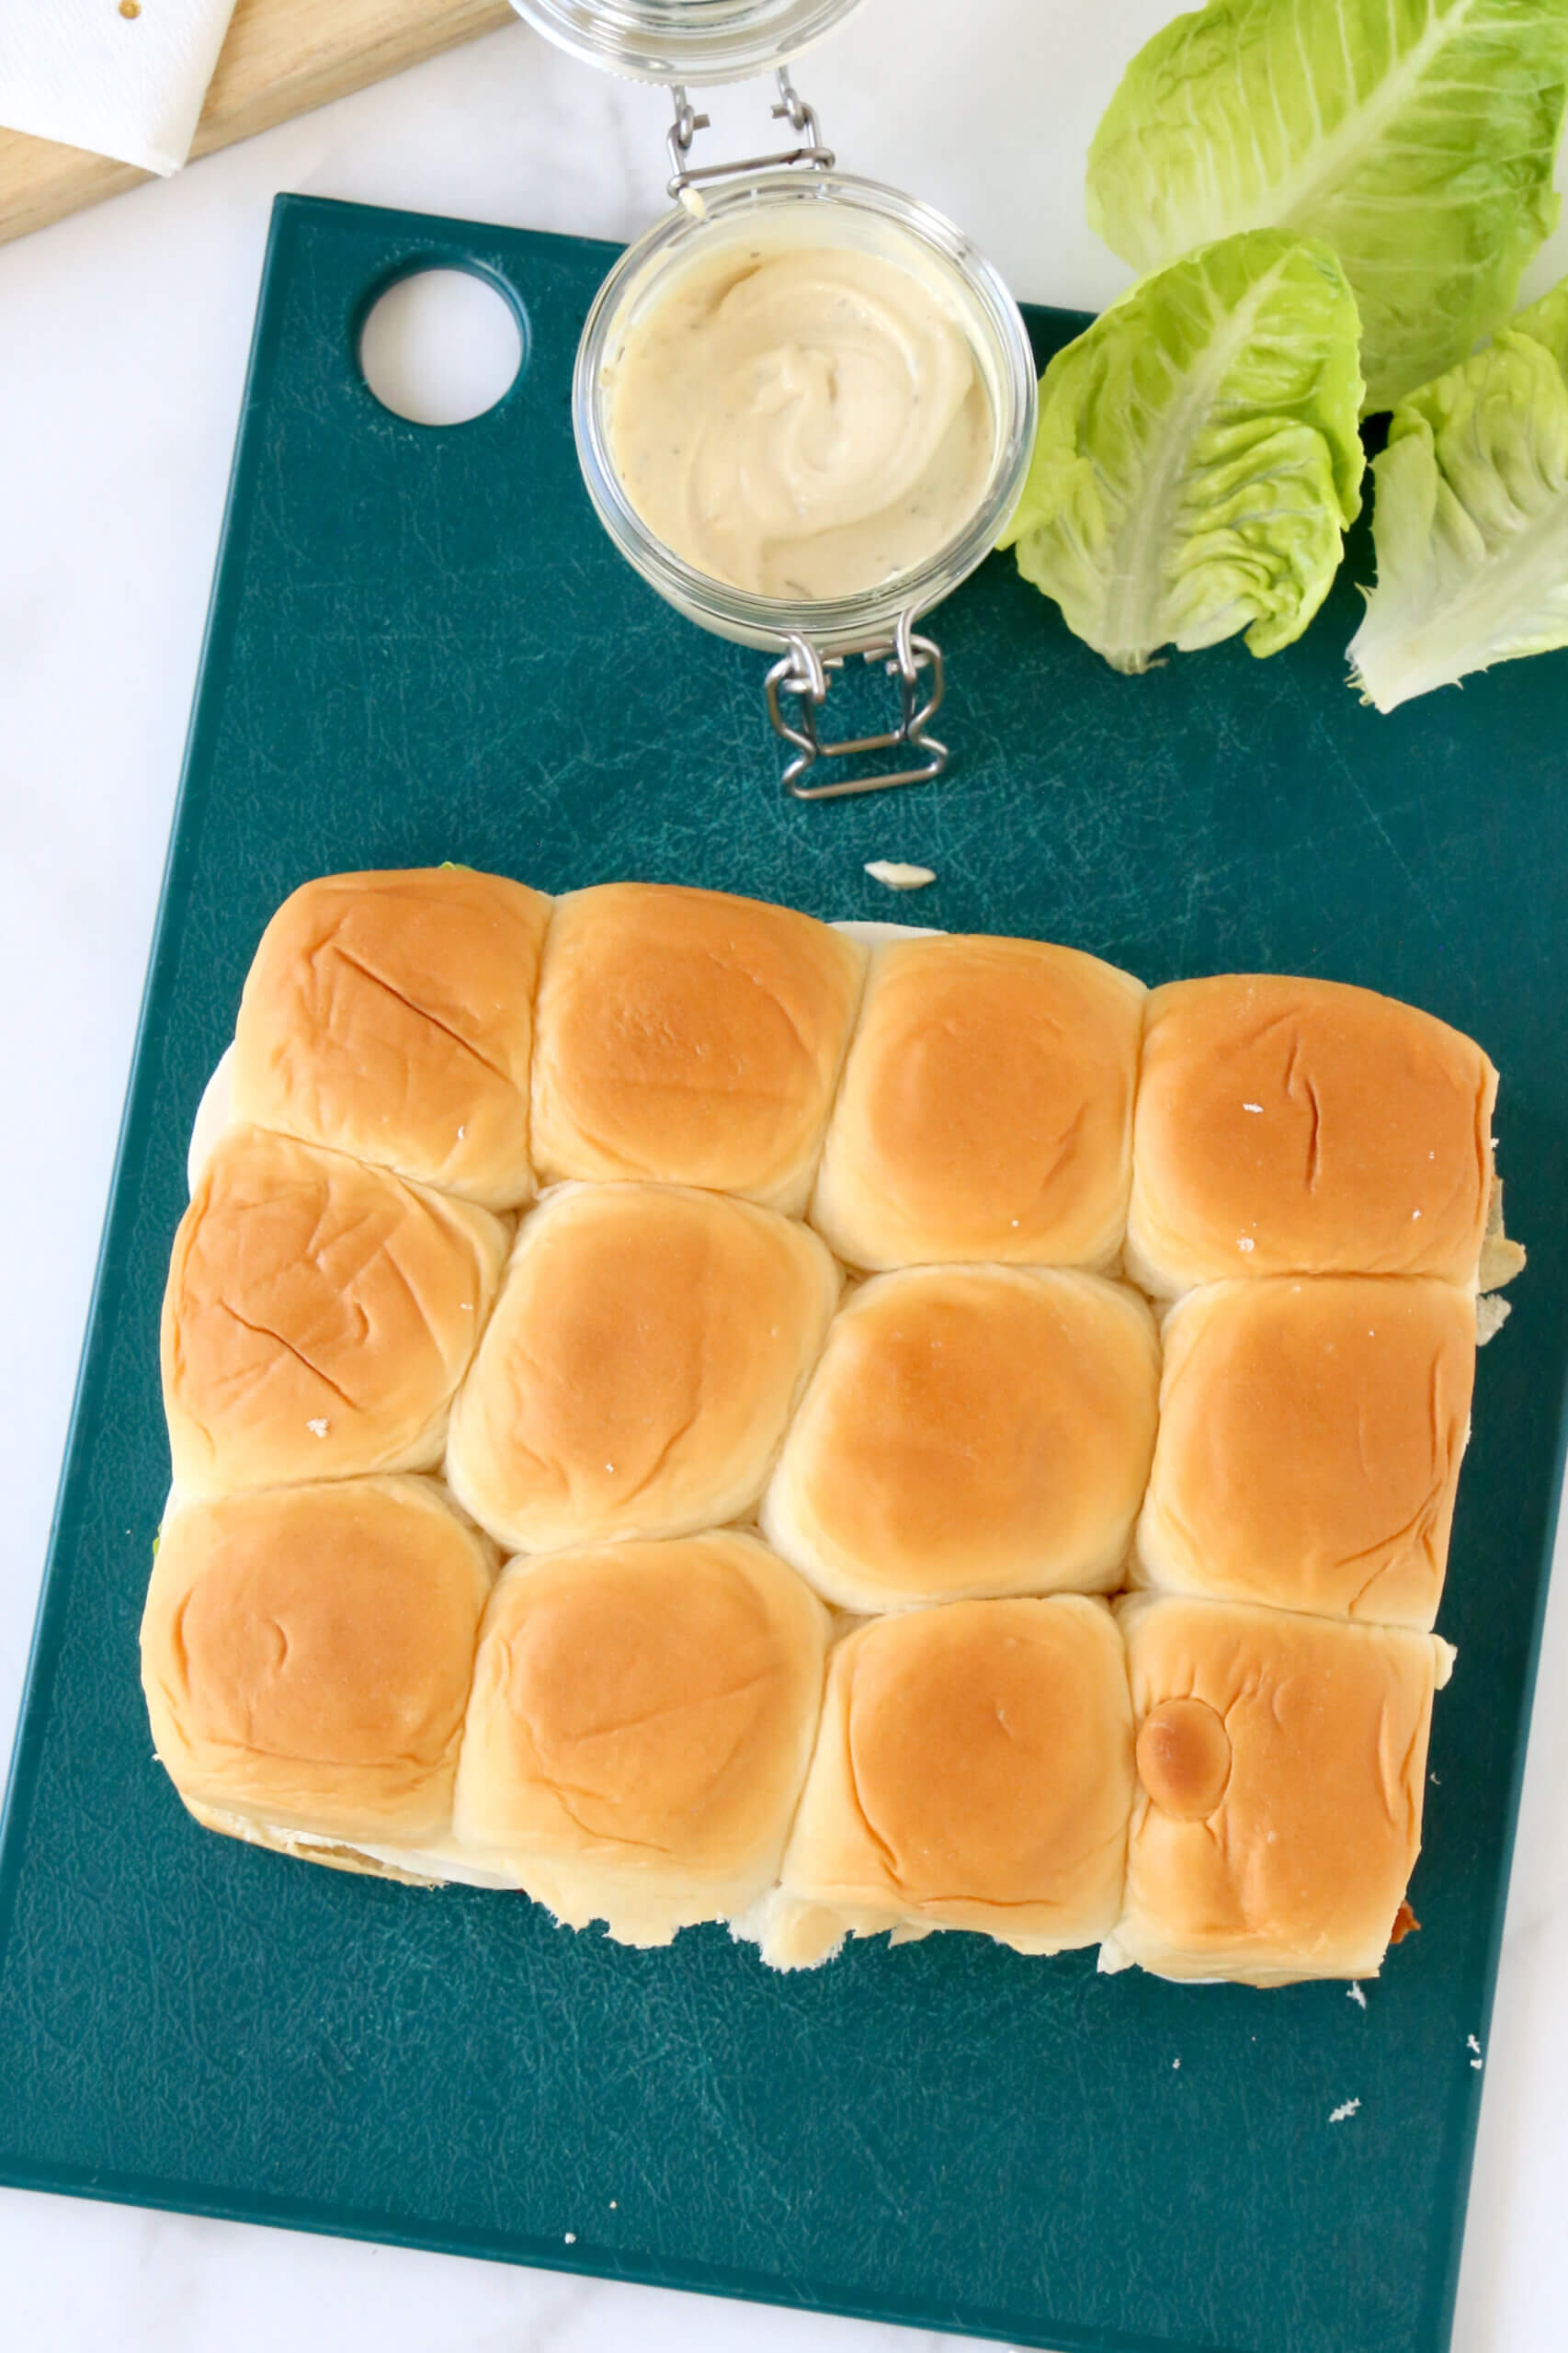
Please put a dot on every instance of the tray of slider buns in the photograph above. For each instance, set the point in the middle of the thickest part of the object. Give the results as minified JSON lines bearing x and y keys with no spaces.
{"x":805,"y":1572}
{"x":660,"y":1395}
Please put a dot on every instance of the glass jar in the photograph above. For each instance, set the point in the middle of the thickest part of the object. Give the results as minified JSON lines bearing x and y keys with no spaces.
{"x":696,"y":42}
{"x":795,"y":197}
{"x":830,"y":209}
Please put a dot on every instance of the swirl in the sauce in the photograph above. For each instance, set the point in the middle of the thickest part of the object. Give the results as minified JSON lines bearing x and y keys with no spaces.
{"x":804,"y":423}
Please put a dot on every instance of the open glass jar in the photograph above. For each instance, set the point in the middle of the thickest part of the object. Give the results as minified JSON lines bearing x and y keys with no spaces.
{"x":795,"y":200}
{"x":697,"y":41}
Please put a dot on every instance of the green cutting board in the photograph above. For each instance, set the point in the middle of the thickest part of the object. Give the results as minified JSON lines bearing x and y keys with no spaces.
{"x":423,"y":647}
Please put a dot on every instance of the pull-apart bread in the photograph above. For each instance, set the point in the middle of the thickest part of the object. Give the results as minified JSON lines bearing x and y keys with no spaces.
{"x":1282,"y":1762}
{"x":810,"y":1339}
{"x":986,"y":1109}
{"x":970,"y":1430}
{"x":1300,"y":1127}
{"x":319,"y":1315}
{"x":392,"y":1015}
{"x":307,"y":1655}
{"x":1311,"y":1434}
{"x":641,"y":1721}
{"x":691,"y":1037}
{"x":973,"y":1770}
{"x":636,"y":1378}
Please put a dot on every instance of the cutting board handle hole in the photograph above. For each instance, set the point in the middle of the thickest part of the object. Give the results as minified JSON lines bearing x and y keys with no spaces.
{"x":440,"y":346}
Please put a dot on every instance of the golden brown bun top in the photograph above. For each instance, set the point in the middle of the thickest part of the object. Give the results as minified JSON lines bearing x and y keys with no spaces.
{"x":986,"y":1109}
{"x":648,"y":1347}
{"x":1282,"y":1759}
{"x":971,"y":1429}
{"x":1310,"y":1441}
{"x":689,"y":1035}
{"x":392,"y":1015}
{"x":306,"y":1653}
{"x":318,"y":1316}
{"x":1302,"y":1126}
{"x":988,"y":1746}
{"x":658,"y":1698}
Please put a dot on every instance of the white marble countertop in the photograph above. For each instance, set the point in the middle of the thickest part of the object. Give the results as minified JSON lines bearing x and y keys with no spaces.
{"x":123,"y":337}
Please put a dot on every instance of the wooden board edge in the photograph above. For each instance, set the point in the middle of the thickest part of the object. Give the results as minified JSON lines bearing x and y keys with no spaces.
{"x":268,"y":73}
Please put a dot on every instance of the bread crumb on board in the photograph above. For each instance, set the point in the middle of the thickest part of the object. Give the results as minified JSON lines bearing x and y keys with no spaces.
{"x":1491,"y":1313}
{"x":1338,"y":2115}
{"x":897,"y":877}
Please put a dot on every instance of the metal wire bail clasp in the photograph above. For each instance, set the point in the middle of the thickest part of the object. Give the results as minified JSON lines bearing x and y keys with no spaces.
{"x":802,"y":674}
{"x":789,"y":107}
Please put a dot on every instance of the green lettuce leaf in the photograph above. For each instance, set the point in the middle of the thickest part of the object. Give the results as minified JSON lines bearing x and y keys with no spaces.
{"x":1415,"y":137}
{"x":1470,"y":520}
{"x":1198,"y":457}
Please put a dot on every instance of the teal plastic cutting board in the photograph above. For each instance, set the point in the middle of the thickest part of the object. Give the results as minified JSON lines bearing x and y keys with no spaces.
{"x":422,"y":647}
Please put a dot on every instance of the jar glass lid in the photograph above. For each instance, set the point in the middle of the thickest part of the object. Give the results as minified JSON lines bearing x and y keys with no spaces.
{"x":695,"y":41}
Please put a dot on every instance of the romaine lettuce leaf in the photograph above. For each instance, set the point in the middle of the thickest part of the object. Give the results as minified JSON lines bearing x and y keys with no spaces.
{"x":1198,"y":457}
{"x":1470,"y":517}
{"x":1415,"y":137}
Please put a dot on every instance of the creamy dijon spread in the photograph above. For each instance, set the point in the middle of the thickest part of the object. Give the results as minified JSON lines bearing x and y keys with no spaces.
{"x":803,"y":421}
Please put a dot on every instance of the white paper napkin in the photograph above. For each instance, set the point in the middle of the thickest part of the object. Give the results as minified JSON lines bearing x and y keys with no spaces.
{"x":122,"y":83}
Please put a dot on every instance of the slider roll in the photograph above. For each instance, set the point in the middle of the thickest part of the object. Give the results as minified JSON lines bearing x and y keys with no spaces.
{"x":652,"y":1388}
{"x":1301,"y":1127}
{"x":306,"y":1656}
{"x":318,"y":1317}
{"x":648,"y":1347}
{"x":1281,"y":1764}
{"x":689,"y":1037}
{"x":970,"y":1430}
{"x":973,"y":1770}
{"x":641,"y":1721}
{"x":392,"y":1015}
{"x":1310,"y":1434}
{"x":986,"y":1108}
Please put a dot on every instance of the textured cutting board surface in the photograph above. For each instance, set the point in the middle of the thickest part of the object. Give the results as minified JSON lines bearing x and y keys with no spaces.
{"x":279,"y":58}
{"x":423,"y":647}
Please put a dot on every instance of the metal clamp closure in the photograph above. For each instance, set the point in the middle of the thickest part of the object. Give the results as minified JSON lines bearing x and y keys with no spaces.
{"x":791,"y":107}
{"x":802,"y":674}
